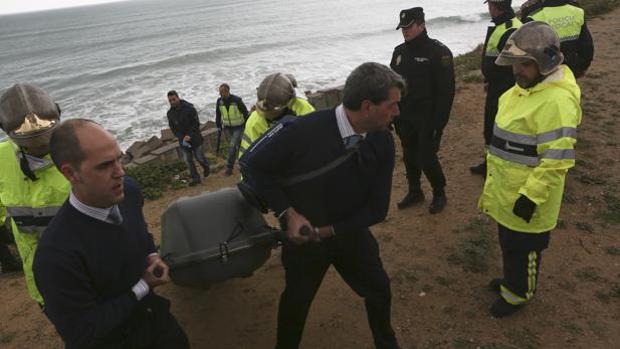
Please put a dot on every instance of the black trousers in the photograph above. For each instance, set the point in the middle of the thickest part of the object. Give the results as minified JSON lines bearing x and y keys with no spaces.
{"x":357,"y":260}
{"x":420,"y":155}
{"x":522,"y":255}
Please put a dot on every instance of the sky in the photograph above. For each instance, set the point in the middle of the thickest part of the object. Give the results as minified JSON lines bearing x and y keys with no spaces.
{"x":17,"y":6}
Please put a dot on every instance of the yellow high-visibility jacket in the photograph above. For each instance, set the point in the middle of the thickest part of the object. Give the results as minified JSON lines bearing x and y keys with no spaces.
{"x":30,"y":205}
{"x":257,"y":124}
{"x":531,"y":151}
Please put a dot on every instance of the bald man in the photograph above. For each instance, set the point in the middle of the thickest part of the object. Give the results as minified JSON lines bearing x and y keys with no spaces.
{"x":96,"y":265}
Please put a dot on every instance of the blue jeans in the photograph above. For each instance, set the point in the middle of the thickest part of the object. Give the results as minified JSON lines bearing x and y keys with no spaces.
{"x":189,"y":154}
{"x":235,"y":133}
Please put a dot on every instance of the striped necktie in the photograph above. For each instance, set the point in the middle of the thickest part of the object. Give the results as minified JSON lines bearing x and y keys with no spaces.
{"x":351,"y":141}
{"x":115,"y":216}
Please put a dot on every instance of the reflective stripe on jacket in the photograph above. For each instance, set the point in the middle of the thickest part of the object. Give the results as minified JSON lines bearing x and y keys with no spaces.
{"x":257,"y":124}
{"x":531,"y":151}
{"x":30,"y":204}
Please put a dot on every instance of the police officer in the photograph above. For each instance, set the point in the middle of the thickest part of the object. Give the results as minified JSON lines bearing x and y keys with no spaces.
{"x":530,"y":153}
{"x":276,"y":99}
{"x":31,"y":188}
{"x":230,"y":114}
{"x":497,"y":79}
{"x":569,"y":22}
{"x":426,"y":65}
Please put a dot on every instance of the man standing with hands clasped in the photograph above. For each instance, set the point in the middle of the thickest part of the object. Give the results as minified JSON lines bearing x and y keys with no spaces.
{"x":96,"y":265}
{"x":426,"y":65}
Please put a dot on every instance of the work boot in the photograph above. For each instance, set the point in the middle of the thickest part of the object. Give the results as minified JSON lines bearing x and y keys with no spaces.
{"x":14,"y":267}
{"x":412,"y":198}
{"x":480,"y":169}
{"x":500,"y":308}
{"x":8,"y":263}
{"x":228,"y":172}
{"x":438,"y":203}
{"x":207,"y":172}
{"x":496,"y":285}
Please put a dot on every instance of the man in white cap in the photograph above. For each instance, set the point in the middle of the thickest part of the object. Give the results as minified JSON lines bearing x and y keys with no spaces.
{"x":529,"y":156}
{"x":31,"y":188}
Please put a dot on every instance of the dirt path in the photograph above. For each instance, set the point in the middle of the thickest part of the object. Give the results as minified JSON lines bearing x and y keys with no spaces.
{"x":440,"y":265}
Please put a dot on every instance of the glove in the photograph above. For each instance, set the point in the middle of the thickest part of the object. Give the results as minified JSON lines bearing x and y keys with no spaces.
{"x":524,"y":208}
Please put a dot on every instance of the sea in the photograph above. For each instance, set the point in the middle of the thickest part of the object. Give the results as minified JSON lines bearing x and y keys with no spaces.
{"x":115,"y":62}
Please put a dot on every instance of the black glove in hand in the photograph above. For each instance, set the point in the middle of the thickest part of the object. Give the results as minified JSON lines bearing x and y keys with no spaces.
{"x":524,"y":208}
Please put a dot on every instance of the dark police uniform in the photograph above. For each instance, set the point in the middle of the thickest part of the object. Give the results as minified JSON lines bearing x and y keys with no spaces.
{"x":568,"y":20}
{"x":498,"y":78}
{"x":426,"y":65}
{"x":351,"y":198}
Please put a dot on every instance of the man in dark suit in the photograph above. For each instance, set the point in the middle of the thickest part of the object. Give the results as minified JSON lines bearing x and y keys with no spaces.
{"x":96,"y":265}
{"x":337,"y":207}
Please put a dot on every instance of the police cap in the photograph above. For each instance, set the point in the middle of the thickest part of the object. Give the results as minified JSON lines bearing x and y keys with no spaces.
{"x":410,"y":16}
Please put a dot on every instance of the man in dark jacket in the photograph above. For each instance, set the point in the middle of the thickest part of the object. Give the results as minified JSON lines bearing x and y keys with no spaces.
{"x":96,"y":265}
{"x":497,"y":79}
{"x":337,"y":207}
{"x":184,"y":123}
{"x":569,"y":22}
{"x":426,"y":65}
{"x":230,"y":114}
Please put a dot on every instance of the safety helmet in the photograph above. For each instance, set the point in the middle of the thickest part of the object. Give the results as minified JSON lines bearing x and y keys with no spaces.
{"x":274,"y":93}
{"x":536,"y":41}
{"x":28,"y":115}
{"x":292,"y":79}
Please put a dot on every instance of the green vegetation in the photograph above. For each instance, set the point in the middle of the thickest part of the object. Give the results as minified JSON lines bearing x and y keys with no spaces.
{"x":155,"y":178}
{"x":523,"y":338}
{"x":467,"y":66}
{"x":473,"y":253}
{"x":612,"y":215}
{"x":587,"y":274}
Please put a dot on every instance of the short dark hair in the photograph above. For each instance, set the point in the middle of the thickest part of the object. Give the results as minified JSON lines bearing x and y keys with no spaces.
{"x":225,"y":85}
{"x":370,"y":81}
{"x":173,"y":93}
{"x":65,"y":145}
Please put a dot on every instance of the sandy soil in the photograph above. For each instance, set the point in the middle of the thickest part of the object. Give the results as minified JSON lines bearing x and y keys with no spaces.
{"x":439,"y":265}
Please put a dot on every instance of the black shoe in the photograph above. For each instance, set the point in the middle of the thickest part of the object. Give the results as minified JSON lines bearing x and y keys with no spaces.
{"x":194,"y":182}
{"x":207,"y":172}
{"x":438,"y":204}
{"x":496,"y":285}
{"x":501,"y":308}
{"x":480,"y":169}
{"x":411,"y":199}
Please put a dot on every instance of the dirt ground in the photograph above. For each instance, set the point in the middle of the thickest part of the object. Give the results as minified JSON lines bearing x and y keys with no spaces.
{"x":439,"y":265}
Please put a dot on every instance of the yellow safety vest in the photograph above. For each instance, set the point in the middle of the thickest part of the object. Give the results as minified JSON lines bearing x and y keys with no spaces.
{"x":566,"y":20}
{"x":492,"y":49}
{"x":531,"y":151}
{"x":231,"y":116}
{"x":29,"y":204}
{"x":257,"y":124}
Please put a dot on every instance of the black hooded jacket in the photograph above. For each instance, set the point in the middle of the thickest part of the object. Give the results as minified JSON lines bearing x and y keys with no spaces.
{"x":183,"y":120}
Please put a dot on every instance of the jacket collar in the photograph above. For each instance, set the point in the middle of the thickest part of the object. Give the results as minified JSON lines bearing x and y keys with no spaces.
{"x":419,"y":40}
